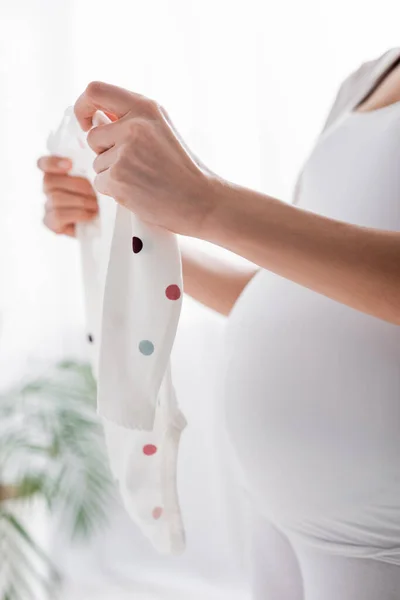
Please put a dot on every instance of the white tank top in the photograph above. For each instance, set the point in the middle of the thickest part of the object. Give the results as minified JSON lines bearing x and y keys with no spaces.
{"x":312,"y":387}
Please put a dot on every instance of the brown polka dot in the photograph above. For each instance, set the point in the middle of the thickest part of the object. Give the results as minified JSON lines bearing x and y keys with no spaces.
{"x":137,"y":245}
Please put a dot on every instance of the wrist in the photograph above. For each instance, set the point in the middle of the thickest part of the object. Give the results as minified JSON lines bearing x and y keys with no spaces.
{"x":217,"y":200}
{"x":241,"y":219}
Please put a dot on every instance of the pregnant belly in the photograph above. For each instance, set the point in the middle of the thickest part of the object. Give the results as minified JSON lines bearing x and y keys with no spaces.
{"x":312,"y":399}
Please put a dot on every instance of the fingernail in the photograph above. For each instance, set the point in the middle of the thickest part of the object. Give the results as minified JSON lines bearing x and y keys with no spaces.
{"x":64,"y":163}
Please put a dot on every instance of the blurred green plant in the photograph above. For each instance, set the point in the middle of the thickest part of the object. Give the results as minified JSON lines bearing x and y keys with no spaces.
{"x":52,"y":448}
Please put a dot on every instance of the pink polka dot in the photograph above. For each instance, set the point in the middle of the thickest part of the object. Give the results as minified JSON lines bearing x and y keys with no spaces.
{"x":173,"y":292}
{"x":149,"y":449}
{"x":157,"y":512}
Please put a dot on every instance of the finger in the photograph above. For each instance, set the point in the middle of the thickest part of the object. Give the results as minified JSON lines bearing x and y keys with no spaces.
{"x":58,"y":219}
{"x":74,"y":185}
{"x":70,"y":230}
{"x":102,"y":183}
{"x":54,"y":164}
{"x":110,"y":99}
{"x":59,"y":199}
{"x":103,"y":137}
{"x":104,"y":160}
{"x":167,"y":117}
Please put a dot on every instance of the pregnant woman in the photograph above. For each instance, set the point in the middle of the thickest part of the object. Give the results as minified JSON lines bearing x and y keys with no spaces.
{"x":312,"y":371}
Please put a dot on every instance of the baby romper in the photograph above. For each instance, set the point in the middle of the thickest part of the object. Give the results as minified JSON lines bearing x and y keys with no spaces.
{"x":133,"y":293}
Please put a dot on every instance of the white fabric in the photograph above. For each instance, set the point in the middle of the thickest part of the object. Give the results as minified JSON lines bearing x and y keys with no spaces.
{"x":274,"y":568}
{"x":139,"y":322}
{"x":94,"y":237}
{"x":281,"y":570}
{"x":352,"y":91}
{"x":133,"y":294}
{"x":312,"y":386}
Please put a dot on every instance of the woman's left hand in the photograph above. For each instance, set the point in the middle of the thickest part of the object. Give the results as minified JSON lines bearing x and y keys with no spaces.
{"x":142,"y":161}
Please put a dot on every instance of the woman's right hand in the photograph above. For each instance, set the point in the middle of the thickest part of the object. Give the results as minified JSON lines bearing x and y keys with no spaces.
{"x":69,"y":200}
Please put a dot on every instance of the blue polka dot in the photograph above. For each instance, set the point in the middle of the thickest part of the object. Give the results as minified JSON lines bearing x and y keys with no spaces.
{"x":146,"y":347}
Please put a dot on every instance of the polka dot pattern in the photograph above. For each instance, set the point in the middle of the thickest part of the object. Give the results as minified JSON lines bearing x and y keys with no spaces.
{"x":157,"y":512}
{"x":149,"y":449}
{"x":146,"y":347}
{"x":173,"y":292}
{"x":137,"y":245}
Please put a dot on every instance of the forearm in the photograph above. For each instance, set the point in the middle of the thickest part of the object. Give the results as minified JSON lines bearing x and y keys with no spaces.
{"x":214,"y":282}
{"x":356,"y":266}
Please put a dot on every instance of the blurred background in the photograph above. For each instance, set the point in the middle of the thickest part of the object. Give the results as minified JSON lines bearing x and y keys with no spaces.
{"x":248,"y":84}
